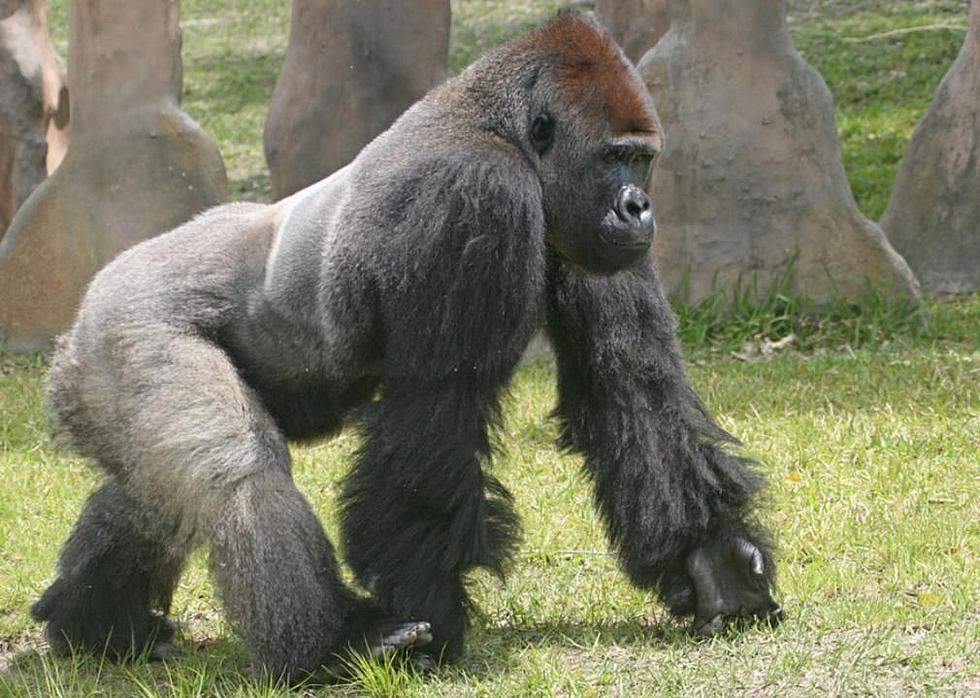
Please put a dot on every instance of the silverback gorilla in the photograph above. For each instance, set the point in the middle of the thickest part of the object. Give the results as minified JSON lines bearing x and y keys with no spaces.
{"x":398,"y":294}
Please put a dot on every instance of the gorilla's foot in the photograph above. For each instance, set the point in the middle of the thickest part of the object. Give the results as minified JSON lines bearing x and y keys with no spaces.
{"x":163,"y":649}
{"x":81,"y":619}
{"x":402,"y":636}
{"x":407,"y":638}
{"x":424,"y":663}
{"x":381,"y":640}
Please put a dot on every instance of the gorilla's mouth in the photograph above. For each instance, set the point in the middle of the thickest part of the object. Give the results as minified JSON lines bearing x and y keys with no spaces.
{"x":628,"y":235}
{"x":627,"y":243}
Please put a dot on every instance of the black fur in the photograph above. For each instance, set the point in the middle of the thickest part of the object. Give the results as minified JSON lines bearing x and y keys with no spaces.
{"x":117,"y":578}
{"x":418,"y":510}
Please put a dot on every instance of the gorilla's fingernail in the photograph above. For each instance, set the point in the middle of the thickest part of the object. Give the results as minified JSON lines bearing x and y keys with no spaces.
{"x":776,"y":616}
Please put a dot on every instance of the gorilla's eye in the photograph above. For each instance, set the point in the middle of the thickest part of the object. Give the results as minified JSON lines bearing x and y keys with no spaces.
{"x":542,"y":133}
{"x":641,"y":166}
{"x":637,"y":158}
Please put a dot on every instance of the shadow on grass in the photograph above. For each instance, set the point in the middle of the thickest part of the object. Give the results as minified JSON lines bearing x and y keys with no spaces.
{"x":492,"y":651}
{"x":223,"y":662}
{"x":39,"y":672}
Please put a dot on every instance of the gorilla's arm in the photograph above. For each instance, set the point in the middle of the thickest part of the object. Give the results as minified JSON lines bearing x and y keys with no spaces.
{"x":465,"y":274}
{"x":676,"y":504}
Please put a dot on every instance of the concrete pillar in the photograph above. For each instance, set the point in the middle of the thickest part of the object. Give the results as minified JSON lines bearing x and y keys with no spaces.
{"x":33,"y":104}
{"x":933,"y":217}
{"x":636,"y":24}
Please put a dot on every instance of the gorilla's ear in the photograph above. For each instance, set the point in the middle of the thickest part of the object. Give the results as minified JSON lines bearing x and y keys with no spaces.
{"x":542,"y":132}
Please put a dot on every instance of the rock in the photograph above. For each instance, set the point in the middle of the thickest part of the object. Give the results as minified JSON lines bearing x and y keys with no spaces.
{"x":351,"y":69}
{"x":933,"y":217}
{"x":136,"y":167}
{"x":636,"y":24}
{"x":751,"y":180}
{"x":33,"y":104}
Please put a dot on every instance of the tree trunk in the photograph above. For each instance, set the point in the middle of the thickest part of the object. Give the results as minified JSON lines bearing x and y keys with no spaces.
{"x":351,"y":69}
{"x":933,"y":217}
{"x":751,"y":183}
{"x":137,"y":166}
{"x":33,"y":104}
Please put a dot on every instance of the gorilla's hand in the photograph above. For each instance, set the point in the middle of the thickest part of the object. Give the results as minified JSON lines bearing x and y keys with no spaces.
{"x":730,"y":583}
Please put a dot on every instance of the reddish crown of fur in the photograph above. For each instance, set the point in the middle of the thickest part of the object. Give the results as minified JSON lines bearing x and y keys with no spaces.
{"x":592,"y":70}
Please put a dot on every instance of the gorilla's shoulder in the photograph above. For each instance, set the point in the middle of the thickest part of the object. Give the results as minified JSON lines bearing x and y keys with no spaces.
{"x":483,"y":167}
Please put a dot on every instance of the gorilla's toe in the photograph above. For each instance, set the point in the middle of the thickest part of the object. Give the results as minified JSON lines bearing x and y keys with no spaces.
{"x":709,"y":626}
{"x":403,"y":636}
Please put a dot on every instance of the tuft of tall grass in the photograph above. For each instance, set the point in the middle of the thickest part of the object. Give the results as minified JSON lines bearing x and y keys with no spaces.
{"x":730,"y":316}
{"x":387,"y":676}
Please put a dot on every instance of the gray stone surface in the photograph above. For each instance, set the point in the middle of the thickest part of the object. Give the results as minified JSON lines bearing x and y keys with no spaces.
{"x":751,"y":179}
{"x":33,"y":104}
{"x":933,"y":218}
{"x":636,"y":24}
{"x":136,"y":167}
{"x":351,"y":69}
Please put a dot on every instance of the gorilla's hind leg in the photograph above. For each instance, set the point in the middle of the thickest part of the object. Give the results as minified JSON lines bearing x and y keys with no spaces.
{"x":116,"y":575}
{"x":282,"y":590}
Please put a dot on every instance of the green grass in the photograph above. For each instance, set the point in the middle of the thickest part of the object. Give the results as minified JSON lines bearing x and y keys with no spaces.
{"x":868,"y":425}
{"x":764,"y":320}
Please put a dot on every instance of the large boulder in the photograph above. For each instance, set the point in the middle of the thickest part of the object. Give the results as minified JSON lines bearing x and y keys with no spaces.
{"x":636,"y":24}
{"x":933,"y":218}
{"x":136,"y":166}
{"x":751,"y":181}
{"x":351,"y":68}
{"x":33,"y":104}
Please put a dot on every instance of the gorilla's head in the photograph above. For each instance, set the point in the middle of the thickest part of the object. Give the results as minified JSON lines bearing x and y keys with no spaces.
{"x":567,"y":102}
{"x":592,"y":132}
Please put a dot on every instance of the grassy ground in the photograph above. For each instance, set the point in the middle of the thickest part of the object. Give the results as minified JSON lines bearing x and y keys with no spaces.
{"x":869,"y":426}
{"x":872,"y":453}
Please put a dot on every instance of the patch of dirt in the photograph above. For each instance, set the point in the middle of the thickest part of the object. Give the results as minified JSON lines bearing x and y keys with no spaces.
{"x":11,"y":647}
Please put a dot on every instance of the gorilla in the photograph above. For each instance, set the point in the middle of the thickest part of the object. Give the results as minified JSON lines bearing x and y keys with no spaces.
{"x":398,"y":295}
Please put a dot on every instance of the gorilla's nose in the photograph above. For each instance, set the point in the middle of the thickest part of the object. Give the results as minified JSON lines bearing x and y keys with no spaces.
{"x":633,"y":208}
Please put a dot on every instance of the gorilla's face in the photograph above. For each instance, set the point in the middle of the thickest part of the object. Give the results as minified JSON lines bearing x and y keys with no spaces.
{"x":594,"y":186}
{"x":596,"y":207}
